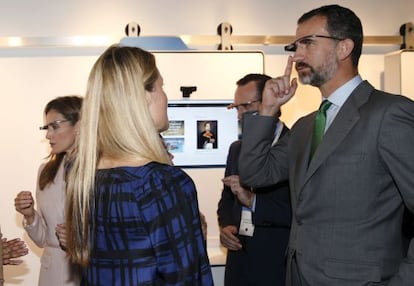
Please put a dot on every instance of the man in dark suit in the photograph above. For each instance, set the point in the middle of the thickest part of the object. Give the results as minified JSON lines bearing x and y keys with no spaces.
{"x":254,"y":227}
{"x":348,"y":197}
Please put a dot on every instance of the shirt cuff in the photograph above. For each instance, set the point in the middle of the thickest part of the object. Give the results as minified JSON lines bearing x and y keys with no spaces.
{"x":253,"y":207}
{"x":34,"y":223}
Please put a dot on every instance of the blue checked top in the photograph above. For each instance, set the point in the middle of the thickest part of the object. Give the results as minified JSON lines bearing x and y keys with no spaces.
{"x":146,"y":229}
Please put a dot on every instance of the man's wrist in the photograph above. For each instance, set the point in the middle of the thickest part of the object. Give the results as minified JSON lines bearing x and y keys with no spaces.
{"x":29,"y":220}
{"x":252,"y":202}
{"x":269,"y":110}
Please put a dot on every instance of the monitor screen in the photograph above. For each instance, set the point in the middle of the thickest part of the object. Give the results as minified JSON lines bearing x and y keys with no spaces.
{"x":200,"y":132}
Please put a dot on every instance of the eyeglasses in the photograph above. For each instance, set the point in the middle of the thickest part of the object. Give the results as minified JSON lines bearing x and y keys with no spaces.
{"x":53,"y":126}
{"x":244,"y":104}
{"x":306,"y":41}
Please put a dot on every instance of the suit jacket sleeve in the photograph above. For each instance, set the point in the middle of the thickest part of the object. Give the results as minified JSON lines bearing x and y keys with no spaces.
{"x":272,"y":203}
{"x":396,"y":145}
{"x":273,"y":206}
{"x":260,"y":163}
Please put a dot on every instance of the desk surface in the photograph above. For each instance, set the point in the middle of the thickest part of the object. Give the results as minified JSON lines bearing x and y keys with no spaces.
{"x":217,"y":257}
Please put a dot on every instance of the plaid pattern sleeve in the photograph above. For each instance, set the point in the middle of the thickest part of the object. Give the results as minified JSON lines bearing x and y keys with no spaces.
{"x":146,"y":229}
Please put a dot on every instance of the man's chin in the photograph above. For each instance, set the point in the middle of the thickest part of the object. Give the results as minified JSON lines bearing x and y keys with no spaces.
{"x":305,"y":78}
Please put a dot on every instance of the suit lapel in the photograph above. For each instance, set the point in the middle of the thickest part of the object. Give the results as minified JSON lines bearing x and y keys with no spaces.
{"x":342,"y":125}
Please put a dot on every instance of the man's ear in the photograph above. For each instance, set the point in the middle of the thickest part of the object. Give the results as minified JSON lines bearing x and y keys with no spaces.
{"x":344,"y":48}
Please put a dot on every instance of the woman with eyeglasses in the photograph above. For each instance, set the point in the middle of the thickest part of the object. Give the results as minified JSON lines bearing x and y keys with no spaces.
{"x":45,"y":224}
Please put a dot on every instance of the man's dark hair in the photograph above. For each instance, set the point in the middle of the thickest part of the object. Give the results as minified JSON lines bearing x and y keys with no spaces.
{"x":342,"y":23}
{"x":260,"y":80}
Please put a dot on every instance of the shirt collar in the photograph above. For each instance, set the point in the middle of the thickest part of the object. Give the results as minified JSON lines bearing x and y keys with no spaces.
{"x":341,"y":94}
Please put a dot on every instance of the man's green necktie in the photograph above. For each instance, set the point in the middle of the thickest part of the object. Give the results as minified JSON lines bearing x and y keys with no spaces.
{"x":319,"y":128}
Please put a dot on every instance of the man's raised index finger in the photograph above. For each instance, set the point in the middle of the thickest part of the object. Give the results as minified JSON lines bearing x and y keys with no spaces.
{"x":288,"y":69}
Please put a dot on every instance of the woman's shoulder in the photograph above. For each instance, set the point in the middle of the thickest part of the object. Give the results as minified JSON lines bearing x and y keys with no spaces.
{"x":160,"y":169}
{"x":151,"y":170}
{"x":41,"y":166}
{"x":169,"y":174}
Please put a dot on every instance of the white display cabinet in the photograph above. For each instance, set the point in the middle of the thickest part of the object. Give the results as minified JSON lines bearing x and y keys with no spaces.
{"x":399,"y":73}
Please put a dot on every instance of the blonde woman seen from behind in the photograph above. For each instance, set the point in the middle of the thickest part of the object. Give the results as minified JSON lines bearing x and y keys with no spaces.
{"x":44,"y":224}
{"x":132,"y":217}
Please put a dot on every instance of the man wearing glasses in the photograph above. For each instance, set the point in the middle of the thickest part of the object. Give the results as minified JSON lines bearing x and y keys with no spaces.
{"x":254,"y":224}
{"x":348,"y":188}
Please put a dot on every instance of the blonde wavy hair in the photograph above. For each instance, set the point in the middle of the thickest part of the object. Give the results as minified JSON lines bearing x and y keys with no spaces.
{"x":115,"y":123}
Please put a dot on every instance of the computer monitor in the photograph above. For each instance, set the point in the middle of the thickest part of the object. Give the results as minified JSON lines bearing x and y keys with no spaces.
{"x":200,"y":132}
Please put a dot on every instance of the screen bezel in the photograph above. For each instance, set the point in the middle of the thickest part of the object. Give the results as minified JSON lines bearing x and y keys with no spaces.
{"x":187,"y":118}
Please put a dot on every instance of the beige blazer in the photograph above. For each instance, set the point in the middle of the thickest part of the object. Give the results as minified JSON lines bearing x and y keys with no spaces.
{"x":55,"y":268}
